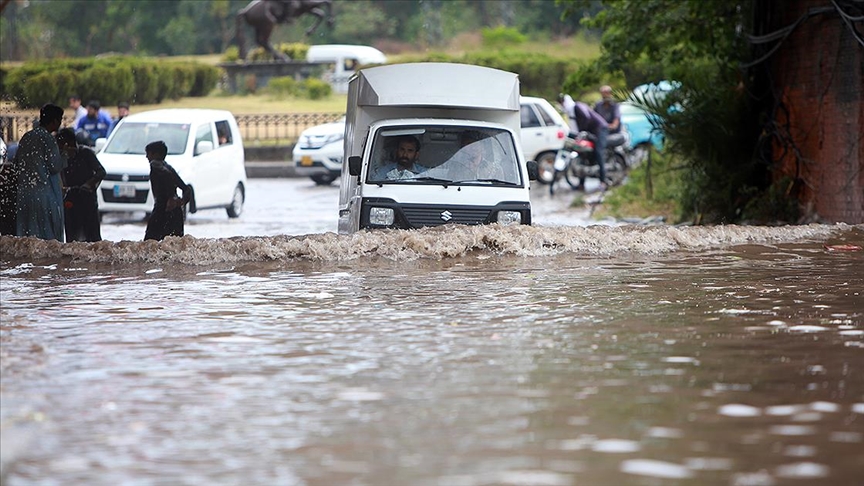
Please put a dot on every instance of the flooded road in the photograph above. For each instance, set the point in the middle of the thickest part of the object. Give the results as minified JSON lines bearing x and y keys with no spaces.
{"x":289,"y":206}
{"x":548,"y":355}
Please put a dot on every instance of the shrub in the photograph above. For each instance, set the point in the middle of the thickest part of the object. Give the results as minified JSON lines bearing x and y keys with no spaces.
{"x":232,"y":54}
{"x":316,"y":89}
{"x":110,"y":80}
{"x":295,"y":50}
{"x":501,"y":36}
{"x":283,"y":87}
{"x":107,"y":84}
{"x":146,"y":75}
{"x":205,"y":80}
{"x":40,"y":89}
{"x":183,"y":77}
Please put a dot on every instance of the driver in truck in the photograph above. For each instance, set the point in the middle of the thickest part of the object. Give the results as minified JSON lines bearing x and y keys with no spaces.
{"x":405,"y":165}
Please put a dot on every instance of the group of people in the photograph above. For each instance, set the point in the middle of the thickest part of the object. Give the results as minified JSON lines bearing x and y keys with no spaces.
{"x":55,"y":179}
{"x":601,"y":121}
{"x":92,"y":122}
{"x":54,"y":183}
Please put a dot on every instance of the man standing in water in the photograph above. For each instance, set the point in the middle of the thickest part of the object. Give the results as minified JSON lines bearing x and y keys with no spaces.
{"x":167,"y":217}
{"x":38,"y":163}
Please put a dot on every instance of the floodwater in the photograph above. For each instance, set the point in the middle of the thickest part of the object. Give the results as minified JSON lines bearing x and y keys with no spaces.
{"x":546,"y":356}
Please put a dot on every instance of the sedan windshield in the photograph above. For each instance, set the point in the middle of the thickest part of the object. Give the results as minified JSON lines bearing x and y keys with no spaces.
{"x":131,"y":138}
{"x":444,"y":155}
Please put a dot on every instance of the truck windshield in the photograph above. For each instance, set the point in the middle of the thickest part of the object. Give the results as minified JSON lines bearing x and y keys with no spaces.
{"x":131,"y":138}
{"x":462,"y":155}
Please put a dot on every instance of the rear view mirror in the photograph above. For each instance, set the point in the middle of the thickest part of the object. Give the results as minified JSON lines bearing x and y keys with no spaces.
{"x":100,"y":143}
{"x":354,"y":165}
{"x":533,"y":170}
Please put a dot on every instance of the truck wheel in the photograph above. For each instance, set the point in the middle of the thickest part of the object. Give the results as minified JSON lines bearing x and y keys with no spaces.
{"x":236,"y":206}
{"x":322,"y":179}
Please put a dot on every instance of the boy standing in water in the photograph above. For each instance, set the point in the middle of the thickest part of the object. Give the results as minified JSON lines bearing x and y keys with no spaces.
{"x":167,"y":217}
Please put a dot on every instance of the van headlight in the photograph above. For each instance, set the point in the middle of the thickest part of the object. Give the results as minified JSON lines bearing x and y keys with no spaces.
{"x":381,"y":216}
{"x":506,"y":218}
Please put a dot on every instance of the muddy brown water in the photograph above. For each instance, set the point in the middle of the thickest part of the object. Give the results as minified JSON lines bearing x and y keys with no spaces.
{"x":456,"y":356}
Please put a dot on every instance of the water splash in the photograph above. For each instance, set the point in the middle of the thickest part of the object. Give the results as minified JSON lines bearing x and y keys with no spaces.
{"x":404,"y":245}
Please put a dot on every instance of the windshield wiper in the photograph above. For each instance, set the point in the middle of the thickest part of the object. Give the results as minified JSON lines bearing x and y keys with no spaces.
{"x":495,"y":181}
{"x":431,"y":179}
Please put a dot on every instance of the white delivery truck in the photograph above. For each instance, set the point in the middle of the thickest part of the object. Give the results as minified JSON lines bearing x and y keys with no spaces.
{"x":428,"y":144}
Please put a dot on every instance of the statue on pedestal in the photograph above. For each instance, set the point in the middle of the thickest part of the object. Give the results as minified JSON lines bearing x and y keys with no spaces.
{"x":264,"y":15}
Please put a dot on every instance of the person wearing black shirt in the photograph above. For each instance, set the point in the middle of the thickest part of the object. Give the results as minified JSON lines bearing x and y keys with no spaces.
{"x":167,"y":217}
{"x":81,"y":177}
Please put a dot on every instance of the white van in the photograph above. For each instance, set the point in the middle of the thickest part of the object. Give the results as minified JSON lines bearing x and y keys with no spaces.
{"x":204,"y":147}
{"x":345,"y":59}
{"x":461,"y":122}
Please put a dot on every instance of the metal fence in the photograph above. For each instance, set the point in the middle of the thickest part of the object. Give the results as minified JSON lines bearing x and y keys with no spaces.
{"x":262,"y":129}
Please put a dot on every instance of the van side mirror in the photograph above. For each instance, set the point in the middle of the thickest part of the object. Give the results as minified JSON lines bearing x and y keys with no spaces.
{"x":100,"y":144}
{"x":533,"y":170}
{"x":354,"y":165}
{"x":203,"y":147}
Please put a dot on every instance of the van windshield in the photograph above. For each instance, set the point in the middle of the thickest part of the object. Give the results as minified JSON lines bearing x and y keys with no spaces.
{"x":463,"y":155}
{"x":131,"y":138}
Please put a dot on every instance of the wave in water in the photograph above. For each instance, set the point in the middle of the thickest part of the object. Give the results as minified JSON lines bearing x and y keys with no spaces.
{"x":436,"y":243}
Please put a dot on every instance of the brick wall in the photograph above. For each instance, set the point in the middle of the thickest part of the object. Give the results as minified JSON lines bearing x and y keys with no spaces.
{"x":817,"y":76}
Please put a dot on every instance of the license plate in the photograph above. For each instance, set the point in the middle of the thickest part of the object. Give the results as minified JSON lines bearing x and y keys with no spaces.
{"x":305,"y":160}
{"x":124,"y":190}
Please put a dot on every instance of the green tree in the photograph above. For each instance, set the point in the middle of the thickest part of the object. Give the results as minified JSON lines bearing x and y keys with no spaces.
{"x":711,"y":124}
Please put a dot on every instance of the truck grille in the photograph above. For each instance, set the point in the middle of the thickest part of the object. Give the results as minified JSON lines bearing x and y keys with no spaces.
{"x":427,"y":217}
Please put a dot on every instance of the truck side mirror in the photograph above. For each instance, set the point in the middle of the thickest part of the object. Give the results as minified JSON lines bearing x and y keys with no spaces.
{"x":533,"y":170}
{"x":354,"y":165}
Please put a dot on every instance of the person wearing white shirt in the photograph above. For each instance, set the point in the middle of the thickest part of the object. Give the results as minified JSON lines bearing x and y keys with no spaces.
{"x":78,"y":108}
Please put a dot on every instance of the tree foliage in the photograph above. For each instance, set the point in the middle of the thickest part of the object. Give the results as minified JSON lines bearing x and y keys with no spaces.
{"x":75,"y":28}
{"x":710,"y":122}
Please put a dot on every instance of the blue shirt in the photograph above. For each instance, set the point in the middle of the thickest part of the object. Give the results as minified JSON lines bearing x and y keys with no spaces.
{"x":96,"y":127}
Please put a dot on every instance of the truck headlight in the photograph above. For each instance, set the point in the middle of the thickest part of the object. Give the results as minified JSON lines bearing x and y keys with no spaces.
{"x":506,"y":218}
{"x":381,"y":216}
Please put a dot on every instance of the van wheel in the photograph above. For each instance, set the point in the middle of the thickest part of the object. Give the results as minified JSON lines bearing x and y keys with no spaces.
{"x":237,"y":201}
{"x":546,"y":167}
{"x":322,"y":179}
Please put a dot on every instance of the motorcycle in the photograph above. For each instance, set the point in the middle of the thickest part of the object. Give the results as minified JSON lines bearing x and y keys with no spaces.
{"x":577,"y":160}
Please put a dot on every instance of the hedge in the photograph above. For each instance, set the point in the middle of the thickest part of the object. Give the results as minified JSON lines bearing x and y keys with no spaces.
{"x":539,"y":74}
{"x":109,"y":80}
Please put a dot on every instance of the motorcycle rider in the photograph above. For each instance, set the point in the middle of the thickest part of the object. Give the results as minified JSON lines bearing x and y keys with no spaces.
{"x":607,"y":107}
{"x":590,"y":121}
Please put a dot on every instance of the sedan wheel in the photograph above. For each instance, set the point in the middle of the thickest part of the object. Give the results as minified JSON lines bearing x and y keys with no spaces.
{"x":322,"y":179}
{"x":546,"y":167}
